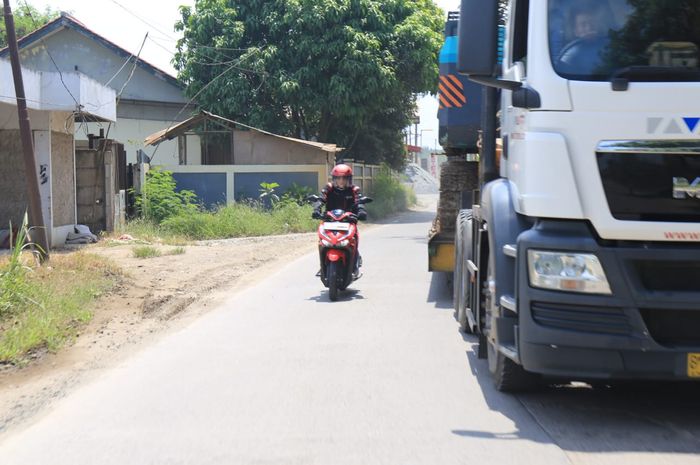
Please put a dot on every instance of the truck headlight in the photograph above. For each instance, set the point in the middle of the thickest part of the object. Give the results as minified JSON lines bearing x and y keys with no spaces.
{"x":573,"y":272}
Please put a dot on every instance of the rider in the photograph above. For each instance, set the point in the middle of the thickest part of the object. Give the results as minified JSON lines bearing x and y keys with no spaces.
{"x":341,"y":194}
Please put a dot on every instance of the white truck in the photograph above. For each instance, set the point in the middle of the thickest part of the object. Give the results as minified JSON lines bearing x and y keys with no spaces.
{"x":580,"y":259}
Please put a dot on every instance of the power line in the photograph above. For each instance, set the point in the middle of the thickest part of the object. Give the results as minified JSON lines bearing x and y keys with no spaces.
{"x":170,"y":125}
{"x":119,"y":95}
{"x":143,"y":20}
{"x":48,"y":52}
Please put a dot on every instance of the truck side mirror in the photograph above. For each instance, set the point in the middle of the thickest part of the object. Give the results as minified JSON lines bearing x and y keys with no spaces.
{"x":478,"y":38}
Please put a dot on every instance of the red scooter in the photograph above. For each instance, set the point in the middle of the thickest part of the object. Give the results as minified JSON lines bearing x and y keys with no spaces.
{"x":337,"y":249}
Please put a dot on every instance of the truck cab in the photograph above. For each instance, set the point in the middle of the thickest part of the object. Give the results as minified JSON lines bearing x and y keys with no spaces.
{"x":585,"y":252}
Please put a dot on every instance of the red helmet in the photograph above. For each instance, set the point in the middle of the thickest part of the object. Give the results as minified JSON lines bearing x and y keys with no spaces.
{"x":341,"y":170}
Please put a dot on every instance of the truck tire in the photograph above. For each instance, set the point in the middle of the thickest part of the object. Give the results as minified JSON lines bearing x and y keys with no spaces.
{"x":463,"y":237}
{"x":507,"y":375}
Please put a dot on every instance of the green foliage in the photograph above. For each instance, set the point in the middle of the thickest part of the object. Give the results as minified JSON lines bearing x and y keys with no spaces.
{"x":242,"y":220}
{"x":342,"y":71}
{"x":267,"y":196}
{"x":14,"y":287}
{"x":27,"y":19}
{"x":49,"y":304}
{"x":159,"y":199}
{"x":390,"y":195}
{"x":297,"y":194}
{"x":176,"y":251}
{"x":149,"y":232}
{"x":146,"y":251}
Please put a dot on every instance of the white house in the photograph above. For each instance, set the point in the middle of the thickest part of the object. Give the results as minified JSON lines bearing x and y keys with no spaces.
{"x":151,"y":100}
{"x":52,"y":112}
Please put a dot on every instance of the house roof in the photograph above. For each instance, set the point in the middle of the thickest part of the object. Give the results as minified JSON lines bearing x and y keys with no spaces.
{"x":181,"y":128}
{"x":66,"y":21}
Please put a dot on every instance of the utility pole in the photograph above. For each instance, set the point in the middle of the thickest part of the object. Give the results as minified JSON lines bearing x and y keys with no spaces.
{"x":36,"y":220}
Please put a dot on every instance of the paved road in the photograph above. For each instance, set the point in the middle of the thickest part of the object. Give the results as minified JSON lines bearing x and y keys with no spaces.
{"x":280,"y":375}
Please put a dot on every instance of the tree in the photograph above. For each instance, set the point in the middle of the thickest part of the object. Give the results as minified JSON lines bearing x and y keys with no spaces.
{"x":27,"y":19}
{"x":343,"y":71}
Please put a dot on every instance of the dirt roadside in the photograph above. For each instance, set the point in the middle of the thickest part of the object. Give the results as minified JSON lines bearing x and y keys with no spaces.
{"x":156,"y":295}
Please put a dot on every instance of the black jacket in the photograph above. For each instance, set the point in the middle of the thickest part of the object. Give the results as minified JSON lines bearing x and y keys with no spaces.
{"x":345,"y":199}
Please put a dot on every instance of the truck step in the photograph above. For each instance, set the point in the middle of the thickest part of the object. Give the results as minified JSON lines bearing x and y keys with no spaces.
{"x":509,"y":303}
{"x":510,"y":250}
{"x":471,"y":266}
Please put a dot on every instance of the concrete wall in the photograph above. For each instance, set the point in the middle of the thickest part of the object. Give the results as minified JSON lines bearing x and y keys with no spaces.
{"x":13,"y":190}
{"x":243,"y":180}
{"x":254,"y":148}
{"x":131,"y":133}
{"x":73,"y":51}
{"x":63,"y":174}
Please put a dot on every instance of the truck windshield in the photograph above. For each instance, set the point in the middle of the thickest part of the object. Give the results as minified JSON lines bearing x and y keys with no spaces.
{"x":640,"y":40}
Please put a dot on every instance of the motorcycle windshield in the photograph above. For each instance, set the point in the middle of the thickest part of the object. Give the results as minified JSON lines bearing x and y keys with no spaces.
{"x":640,"y":40}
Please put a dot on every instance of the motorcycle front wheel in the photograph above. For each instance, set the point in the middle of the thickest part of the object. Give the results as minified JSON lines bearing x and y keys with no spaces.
{"x":332,"y":278}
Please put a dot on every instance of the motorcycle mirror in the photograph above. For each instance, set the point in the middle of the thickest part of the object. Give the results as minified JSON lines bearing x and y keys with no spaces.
{"x":312,"y":198}
{"x":366,"y":200}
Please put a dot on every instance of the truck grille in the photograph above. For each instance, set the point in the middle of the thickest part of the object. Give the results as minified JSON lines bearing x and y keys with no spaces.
{"x":673,"y":327}
{"x":603,"y":320}
{"x":668,"y":276}
{"x":651,"y":180}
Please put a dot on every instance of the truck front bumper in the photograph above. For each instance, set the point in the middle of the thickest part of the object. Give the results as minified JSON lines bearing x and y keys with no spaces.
{"x":648,"y":328}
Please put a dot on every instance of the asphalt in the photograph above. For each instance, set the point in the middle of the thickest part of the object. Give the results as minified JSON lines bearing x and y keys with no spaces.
{"x":278,"y":374}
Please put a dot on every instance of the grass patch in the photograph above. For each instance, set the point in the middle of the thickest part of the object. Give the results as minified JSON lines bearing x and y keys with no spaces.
{"x":146,"y":251}
{"x":176,"y":251}
{"x":150,"y":232}
{"x":44,"y":307}
{"x":242,"y":220}
{"x":390,"y":196}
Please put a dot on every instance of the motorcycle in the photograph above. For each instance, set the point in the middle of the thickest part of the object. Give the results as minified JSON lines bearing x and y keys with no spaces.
{"x":337,"y":249}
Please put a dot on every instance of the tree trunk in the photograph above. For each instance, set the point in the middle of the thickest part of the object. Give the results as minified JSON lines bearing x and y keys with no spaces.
{"x":297,"y":123}
{"x":307,"y":136}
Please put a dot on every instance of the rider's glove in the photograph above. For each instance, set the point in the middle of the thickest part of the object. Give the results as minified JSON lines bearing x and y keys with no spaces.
{"x":352,"y":218}
{"x":317,"y":215}
{"x":362,"y":216}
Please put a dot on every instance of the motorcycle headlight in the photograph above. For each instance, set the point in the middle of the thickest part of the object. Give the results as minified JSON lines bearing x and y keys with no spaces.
{"x":344,"y":243}
{"x":572,"y":272}
{"x":326,"y":243}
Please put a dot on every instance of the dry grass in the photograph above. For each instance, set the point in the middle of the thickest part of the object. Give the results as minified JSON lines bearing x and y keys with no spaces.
{"x":52,"y":302}
{"x":146,"y":251}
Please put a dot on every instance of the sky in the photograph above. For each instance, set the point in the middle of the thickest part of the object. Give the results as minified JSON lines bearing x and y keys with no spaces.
{"x":126,"y":22}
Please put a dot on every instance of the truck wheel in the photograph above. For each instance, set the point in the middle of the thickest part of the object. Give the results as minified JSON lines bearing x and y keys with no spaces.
{"x":463,"y":236}
{"x":507,"y":375}
{"x":332,"y":277}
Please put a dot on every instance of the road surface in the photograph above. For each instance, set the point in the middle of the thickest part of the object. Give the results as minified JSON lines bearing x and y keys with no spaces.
{"x":280,"y":375}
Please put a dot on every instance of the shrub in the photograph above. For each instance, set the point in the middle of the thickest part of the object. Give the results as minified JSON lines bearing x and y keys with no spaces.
{"x":297,"y":194}
{"x":159,"y":199}
{"x":242,"y":220}
{"x":15,"y":290}
{"x":390,"y":195}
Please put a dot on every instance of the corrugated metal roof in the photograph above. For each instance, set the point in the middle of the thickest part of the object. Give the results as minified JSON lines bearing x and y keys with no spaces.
{"x":181,"y":128}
